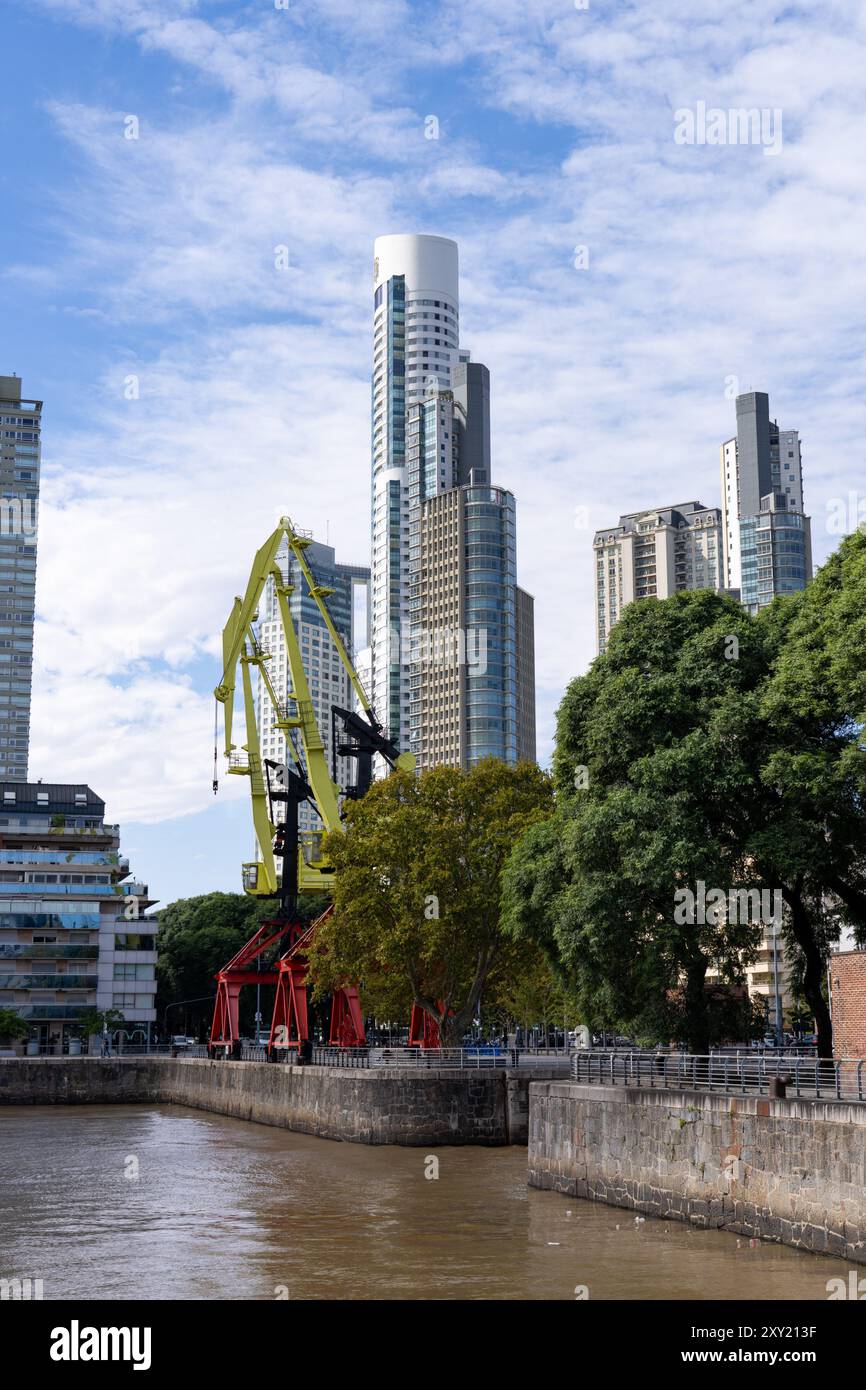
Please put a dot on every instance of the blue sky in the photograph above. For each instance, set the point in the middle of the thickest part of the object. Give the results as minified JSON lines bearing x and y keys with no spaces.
{"x":304,"y":126}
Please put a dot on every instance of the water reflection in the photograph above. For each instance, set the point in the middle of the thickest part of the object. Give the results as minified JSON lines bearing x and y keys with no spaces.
{"x":162,"y":1202}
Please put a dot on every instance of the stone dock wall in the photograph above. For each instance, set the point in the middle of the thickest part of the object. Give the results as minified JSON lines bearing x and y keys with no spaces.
{"x":790,"y":1170}
{"x":382,"y":1105}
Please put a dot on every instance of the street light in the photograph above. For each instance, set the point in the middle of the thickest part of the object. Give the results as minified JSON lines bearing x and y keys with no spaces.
{"x":776,"y":983}
{"x":178,"y":1003}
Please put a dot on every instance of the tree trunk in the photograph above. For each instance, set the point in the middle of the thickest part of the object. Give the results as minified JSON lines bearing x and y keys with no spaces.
{"x":697,"y":1021}
{"x":813,"y":972}
{"x":453,"y":1027}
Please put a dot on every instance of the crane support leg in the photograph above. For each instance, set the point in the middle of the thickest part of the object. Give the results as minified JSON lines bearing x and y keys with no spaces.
{"x":224,"y":1030}
{"x":347,"y":1023}
{"x":423,"y":1030}
{"x":290,"y":1022}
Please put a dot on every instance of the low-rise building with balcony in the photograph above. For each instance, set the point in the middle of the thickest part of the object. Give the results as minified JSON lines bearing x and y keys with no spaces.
{"x":74,"y":936}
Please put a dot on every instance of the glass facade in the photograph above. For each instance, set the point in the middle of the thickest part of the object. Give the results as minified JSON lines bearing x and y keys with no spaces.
{"x":774,"y":556}
{"x":437,"y":591}
{"x":20,"y":454}
{"x":490,"y":578}
{"x":415,"y":342}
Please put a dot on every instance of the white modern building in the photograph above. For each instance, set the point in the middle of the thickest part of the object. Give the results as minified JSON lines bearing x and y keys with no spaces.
{"x":416,"y":336}
{"x":654,"y":554}
{"x":443,"y":572}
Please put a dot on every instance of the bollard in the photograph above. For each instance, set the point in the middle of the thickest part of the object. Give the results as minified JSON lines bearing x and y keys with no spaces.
{"x":778,"y":1087}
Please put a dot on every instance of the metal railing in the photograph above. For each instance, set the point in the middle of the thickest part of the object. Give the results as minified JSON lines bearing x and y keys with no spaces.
{"x":62,"y":1049}
{"x":414,"y":1057}
{"x":744,"y":1073}
{"x":462,"y":1058}
{"x":16,"y":950}
{"x":366,"y":1058}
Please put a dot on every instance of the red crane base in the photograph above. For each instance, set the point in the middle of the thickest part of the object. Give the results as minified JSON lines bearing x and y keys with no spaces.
{"x":290,"y":1026}
{"x":290,"y":1022}
{"x":347,"y":1023}
{"x":225,"y":1033}
{"x":224,"y":1030}
{"x":423,"y":1030}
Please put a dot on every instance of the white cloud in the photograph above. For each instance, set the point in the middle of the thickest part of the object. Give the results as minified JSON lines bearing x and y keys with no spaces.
{"x":608,"y":384}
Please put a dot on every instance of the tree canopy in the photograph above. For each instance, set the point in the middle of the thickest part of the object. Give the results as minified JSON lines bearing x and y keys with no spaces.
{"x":704,"y":746}
{"x":417,"y":882}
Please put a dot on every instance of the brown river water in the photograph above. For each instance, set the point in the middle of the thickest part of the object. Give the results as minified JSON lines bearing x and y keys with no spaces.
{"x":161,"y":1202}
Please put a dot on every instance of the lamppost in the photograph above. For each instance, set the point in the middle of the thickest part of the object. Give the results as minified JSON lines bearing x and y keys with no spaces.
{"x":204,"y":998}
{"x":776,"y":983}
{"x":258,"y":1001}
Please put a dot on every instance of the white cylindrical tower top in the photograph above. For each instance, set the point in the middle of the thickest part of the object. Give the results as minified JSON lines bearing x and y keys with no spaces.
{"x":428,"y":263}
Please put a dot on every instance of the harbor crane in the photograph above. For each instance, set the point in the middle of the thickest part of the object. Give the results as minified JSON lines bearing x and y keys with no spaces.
{"x":276,"y":954}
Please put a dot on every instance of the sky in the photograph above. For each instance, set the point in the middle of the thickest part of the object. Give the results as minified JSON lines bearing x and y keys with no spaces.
{"x":622,"y":286}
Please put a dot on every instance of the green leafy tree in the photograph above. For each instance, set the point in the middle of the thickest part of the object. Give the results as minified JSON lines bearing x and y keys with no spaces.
{"x":94,"y":1021}
{"x":12,"y":1026}
{"x":417,"y":890}
{"x":704,"y":745}
{"x":638,"y":784}
{"x":536,"y":994}
{"x":803,"y":737}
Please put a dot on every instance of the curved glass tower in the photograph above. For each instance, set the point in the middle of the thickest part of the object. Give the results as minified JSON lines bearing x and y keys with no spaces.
{"x":415,"y":344}
{"x":452,"y":638}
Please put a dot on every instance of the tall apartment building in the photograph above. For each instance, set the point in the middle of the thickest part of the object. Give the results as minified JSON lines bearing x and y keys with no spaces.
{"x":20,"y":425}
{"x":443,"y":543}
{"x":327,"y":677}
{"x":524,"y":642}
{"x":654,"y":554}
{"x":768,"y":539}
{"x":73,"y":935}
{"x":472,"y":676}
{"x":415,"y":342}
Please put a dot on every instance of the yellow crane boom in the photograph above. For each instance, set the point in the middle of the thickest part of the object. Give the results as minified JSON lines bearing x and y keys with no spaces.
{"x":241,"y":647}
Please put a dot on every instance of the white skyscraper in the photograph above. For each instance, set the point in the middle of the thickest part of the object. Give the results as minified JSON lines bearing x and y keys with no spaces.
{"x":415,"y":343}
